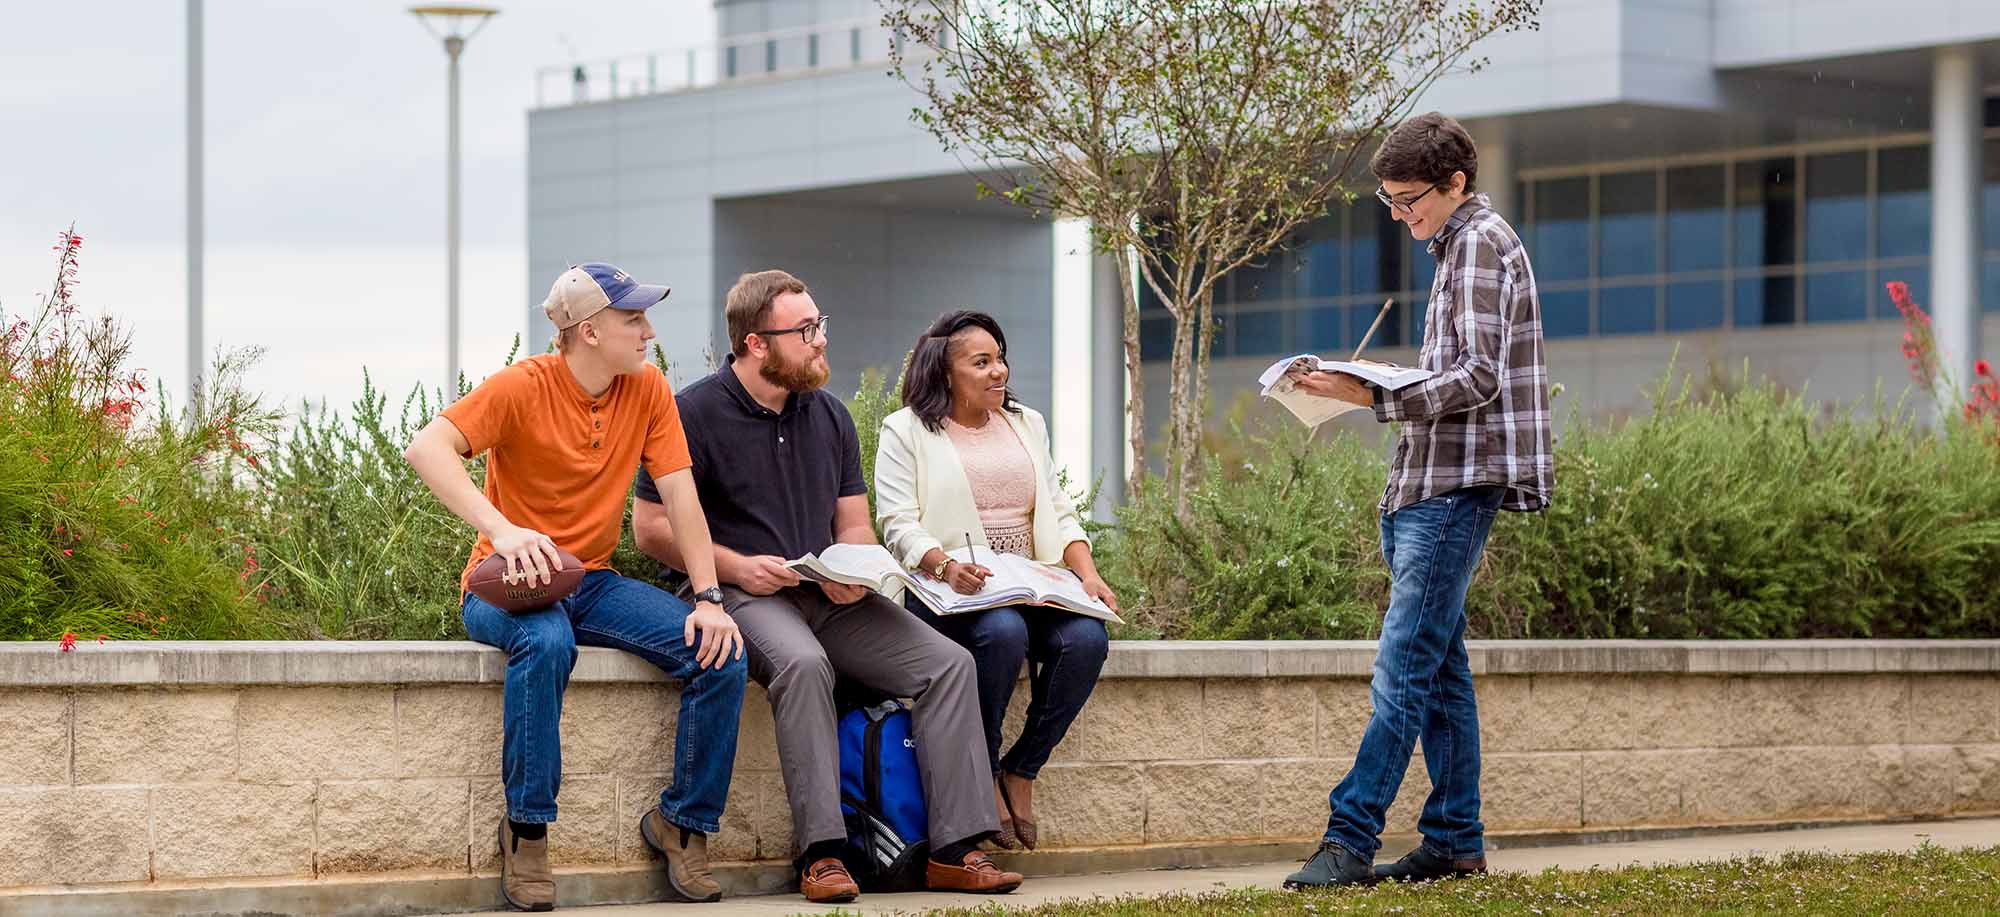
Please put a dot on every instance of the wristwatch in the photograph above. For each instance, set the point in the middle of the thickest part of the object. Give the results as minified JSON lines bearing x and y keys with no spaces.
{"x":937,"y":572}
{"x":711,"y":594}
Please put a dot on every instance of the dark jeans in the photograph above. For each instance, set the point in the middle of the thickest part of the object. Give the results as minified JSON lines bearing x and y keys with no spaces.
{"x":609,"y":610}
{"x":1423,"y":681}
{"x":1065,"y":653}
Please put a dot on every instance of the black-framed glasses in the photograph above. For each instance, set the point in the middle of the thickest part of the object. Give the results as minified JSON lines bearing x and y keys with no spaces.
{"x":1400,"y":206}
{"x":808,"y":332}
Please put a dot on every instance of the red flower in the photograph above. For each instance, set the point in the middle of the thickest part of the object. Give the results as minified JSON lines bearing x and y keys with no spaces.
{"x":68,"y":641}
{"x":1982,"y":368}
{"x":67,"y":552}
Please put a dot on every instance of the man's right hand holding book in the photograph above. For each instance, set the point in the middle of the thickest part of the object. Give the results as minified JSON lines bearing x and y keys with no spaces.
{"x":1338,"y":386}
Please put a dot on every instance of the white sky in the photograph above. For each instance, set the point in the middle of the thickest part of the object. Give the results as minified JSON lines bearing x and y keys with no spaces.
{"x":325,"y":173}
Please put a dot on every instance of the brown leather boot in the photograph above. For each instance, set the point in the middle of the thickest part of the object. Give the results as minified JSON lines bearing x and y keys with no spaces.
{"x":977,"y":874}
{"x":827,"y":881}
{"x":686,"y":853}
{"x":525,"y":878}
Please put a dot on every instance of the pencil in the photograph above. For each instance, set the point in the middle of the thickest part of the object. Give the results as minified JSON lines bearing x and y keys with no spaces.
{"x":969,"y":552}
{"x":1379,"y":316}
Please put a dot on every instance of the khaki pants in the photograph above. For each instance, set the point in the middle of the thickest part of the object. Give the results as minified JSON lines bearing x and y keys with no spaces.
{"x":799,"y":641}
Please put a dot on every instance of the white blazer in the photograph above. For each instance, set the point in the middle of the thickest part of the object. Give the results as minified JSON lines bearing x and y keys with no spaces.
{"x":923,"y":499}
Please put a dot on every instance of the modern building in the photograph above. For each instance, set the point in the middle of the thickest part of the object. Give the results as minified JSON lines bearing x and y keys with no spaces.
{"x":1725,"y":180}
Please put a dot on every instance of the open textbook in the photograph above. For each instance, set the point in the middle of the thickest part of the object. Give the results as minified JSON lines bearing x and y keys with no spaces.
{"x":1016,"y":580}
{"x":1313,"y":410}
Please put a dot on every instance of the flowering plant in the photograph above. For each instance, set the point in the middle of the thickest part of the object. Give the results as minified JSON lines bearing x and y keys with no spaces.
{"x":1981,"y":402}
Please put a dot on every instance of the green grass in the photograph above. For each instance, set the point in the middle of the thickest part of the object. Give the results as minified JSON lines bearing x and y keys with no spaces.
{"x":1929,"y":880}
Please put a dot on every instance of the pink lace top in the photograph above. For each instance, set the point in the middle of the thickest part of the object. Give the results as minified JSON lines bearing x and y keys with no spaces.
{"x":1002,"y":475}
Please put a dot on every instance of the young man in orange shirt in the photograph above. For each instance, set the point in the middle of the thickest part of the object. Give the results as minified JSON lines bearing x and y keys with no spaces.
{"x":562,"y":432}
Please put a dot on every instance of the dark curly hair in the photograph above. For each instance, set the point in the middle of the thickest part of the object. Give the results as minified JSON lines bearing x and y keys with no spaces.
{"x":927,"y":379}
{"x":1427,"y":149}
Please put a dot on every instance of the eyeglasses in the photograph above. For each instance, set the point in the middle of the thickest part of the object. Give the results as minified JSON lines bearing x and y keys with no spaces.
{"x":808,"y":332}
{"x":1400,"y":206}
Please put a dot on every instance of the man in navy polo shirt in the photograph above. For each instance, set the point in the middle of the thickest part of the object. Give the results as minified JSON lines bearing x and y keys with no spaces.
{"x":777,"y":467}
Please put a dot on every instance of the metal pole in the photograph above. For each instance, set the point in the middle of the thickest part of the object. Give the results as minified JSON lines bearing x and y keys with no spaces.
{"x":194,"y":201}
{"x":451,"y":47}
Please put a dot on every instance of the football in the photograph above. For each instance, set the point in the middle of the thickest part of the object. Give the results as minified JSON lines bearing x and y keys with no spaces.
{"x":490,"y":581}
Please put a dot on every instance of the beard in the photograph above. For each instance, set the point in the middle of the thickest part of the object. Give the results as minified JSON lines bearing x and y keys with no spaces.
{"x":800,"y":377}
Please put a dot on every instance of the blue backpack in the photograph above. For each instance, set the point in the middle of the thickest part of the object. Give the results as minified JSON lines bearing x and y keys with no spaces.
{"x":882,"y":798}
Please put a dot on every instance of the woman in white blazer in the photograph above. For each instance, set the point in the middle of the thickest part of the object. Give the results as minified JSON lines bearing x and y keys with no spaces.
{"x":964,"y":460}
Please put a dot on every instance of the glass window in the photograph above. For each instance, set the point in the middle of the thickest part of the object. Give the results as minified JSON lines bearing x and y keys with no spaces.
{"x":1566,"y":314}
{"x":1764,"y":301}
{"x":1627,"y":310}
{"x":1562,"y":229}
{"x":1319,"y":259}
{"x":1903,"y":202}
{"x":1628,"y":209}
{"x":1766,"y":233}
{"x":1323,"y":330}
{"x":1389,"y":334}
{"x":1423,"y":267}
{"x":1837,"y":207}
{"x":1991,"y":205}
{"x":1257,"y":332}
{"x":1419,"y":311}
{"x":1841,"y":296}
{"x":1264,"y":280}
{"x":1695,"y":219}
{"x":1990,"y":282}
{"x":1156,"y":338}
{"x":1377,"y":249}
{"x":1694,"y":305}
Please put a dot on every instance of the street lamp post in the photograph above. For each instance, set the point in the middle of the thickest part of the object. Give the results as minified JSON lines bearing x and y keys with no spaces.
{"x":455,"y":24}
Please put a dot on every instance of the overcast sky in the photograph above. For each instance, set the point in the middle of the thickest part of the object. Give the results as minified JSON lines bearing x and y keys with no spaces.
{"x":325,"y":170}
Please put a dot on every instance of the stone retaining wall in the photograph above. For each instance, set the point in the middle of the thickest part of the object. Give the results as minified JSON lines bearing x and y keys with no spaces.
{"x":136,"y":767}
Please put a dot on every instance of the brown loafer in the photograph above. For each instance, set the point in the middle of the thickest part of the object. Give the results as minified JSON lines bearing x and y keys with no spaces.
{"x":977,"y":874}
{"x":686,"y":853}
{"x":525,"y":879}
{"x":827,"y":881}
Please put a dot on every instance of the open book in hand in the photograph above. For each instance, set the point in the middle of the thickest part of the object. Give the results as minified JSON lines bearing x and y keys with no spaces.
{"x":1016,"y":580}
{"x":1313,"y":410}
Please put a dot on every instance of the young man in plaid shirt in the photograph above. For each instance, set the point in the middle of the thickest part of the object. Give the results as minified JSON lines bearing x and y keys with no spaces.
{"x":1475,"y":440}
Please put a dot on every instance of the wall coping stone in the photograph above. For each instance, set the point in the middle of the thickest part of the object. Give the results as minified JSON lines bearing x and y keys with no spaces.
{"x":354,"y":662}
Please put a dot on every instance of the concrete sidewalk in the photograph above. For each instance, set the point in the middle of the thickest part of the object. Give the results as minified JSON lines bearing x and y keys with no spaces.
{"x":1854,"y":839}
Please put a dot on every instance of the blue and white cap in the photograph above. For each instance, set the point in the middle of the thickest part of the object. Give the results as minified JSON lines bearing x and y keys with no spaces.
{"x":587,"y":289}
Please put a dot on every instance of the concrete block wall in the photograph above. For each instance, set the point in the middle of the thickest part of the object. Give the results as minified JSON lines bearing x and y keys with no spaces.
{"x":136,"y":770}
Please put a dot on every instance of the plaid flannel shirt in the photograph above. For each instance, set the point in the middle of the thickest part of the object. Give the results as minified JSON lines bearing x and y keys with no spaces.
{"x":1484,"y":418}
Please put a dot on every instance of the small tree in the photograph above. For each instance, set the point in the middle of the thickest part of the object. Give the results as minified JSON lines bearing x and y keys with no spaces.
{"x":1197,"y":136}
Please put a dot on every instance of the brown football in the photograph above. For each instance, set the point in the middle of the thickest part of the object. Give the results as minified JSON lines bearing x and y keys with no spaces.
{"x":489,"y":581}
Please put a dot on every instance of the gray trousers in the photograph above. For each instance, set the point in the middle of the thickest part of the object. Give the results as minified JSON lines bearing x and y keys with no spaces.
{"x":799,"y":640}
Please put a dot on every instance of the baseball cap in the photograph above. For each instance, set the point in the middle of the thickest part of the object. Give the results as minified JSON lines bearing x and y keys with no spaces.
{"x":586,"y":289}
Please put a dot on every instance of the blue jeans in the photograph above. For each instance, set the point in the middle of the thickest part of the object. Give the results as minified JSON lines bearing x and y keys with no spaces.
{"x":1423,"y":682}
{"x":609,"y":610}
{"x":1065,"y":652}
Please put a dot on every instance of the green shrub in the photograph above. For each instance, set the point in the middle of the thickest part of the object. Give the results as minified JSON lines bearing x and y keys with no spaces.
{"x":116,"y":520}
{"x":1739,"y":514}
{"x":356,"y":547}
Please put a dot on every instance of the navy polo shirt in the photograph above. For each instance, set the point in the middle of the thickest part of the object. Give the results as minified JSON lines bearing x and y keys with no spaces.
{"x":768,"y":481}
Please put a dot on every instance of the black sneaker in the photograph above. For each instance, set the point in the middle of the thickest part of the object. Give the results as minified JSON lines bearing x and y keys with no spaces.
{"x":1421,"y":865}
{"x":1332,"y":865}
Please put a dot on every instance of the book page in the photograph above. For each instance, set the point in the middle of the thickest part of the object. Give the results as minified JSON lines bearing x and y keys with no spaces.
{"x":1313,"y":410}
{"x":869,"y":565}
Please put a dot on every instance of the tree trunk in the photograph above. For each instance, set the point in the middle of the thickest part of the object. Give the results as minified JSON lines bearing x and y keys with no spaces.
{"x":1135,"y":377}
{"x":1180,"y":450}
{"x":1198,"y":404}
